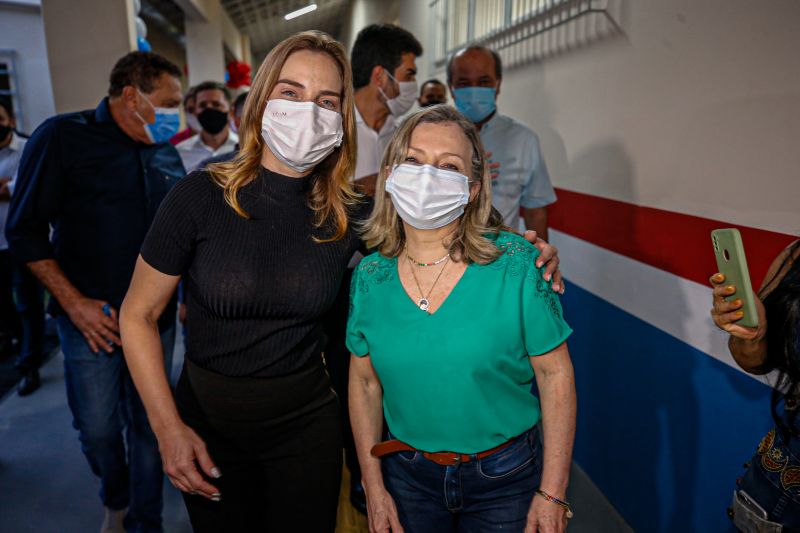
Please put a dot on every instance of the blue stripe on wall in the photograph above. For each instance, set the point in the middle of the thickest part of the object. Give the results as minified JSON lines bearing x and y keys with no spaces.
{"x":663,"y":428}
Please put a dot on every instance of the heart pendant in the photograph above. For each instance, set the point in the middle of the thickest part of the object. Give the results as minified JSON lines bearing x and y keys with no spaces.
{"x":423,"y":304}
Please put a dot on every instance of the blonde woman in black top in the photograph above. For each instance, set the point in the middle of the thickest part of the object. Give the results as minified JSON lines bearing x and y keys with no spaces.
{"x":252,"y":437}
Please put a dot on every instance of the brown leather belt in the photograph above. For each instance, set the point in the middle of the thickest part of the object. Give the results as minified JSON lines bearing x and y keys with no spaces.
{"x":441,"y":458}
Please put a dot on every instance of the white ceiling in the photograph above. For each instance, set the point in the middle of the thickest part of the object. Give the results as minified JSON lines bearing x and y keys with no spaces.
{"x":263,"y":22}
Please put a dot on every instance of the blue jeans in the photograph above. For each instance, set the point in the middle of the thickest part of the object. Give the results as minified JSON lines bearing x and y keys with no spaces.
{"x":104,"y":401}
{"x":772,"y":480}
{"x":489,"y":494}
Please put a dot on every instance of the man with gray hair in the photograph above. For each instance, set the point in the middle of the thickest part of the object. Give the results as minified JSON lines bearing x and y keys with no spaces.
{"x":474,"y":75}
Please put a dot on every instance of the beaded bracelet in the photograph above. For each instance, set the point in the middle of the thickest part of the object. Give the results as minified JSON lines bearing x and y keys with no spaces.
{"x":555,"y":500}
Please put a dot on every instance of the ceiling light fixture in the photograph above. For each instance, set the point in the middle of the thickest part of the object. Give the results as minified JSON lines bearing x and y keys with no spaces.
{"x":302,"y":11}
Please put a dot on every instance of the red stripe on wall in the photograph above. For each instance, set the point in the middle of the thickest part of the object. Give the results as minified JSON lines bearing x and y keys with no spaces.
{"x":677,"y":243}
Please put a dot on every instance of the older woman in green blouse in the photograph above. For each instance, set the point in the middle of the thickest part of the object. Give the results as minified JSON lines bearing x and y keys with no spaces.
{"x":450,"y":321}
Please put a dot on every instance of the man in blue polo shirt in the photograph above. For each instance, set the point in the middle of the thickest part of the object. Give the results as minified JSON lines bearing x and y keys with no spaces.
{"x":97,"y":177}
{"x":474,"y":75}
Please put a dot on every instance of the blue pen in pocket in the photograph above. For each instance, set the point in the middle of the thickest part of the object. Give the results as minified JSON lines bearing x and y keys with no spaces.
{"x":107,"y":312}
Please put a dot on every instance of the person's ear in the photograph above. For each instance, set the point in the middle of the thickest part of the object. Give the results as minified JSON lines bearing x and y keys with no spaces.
{"x":130,"y":96}
{"x":377,"y":76}
{"x":474,"y":190}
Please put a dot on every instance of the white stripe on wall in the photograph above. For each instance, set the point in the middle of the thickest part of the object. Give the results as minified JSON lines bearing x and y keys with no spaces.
{"x":671,"y":303}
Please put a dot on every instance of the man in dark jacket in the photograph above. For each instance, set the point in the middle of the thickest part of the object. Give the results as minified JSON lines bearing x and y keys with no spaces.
{"x":97,"y":178}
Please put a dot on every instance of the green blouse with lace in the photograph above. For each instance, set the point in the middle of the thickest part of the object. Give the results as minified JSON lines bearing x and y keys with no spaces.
{"x":458,"y":379}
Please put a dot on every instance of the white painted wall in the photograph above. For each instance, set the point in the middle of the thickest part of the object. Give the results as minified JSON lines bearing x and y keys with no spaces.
{"x":204,"y":50}
{"x":695,"y":109}
{"x":231,"y":36}
{"x":208,"y":30}
{"x":366,"y":12}
{"x":164,"y":45}
{"x":22,"y":30}
{"x":85,"y":39}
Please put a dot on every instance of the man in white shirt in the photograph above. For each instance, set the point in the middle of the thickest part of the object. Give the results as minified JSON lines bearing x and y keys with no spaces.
{"x":213,"y":111}
{"x":384,"y":79}
{"x":11,"y":146}
{"x":474,"y":75}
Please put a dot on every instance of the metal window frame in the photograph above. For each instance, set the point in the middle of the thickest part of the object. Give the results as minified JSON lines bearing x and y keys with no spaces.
{"x":538,"y":16}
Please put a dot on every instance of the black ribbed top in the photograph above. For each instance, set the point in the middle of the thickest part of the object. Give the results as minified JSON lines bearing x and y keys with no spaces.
{"x":256,"y":288}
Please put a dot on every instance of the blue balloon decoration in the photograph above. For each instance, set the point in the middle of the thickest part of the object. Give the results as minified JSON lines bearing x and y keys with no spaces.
{"x":141,"y":28}
{"x":143,"y":44}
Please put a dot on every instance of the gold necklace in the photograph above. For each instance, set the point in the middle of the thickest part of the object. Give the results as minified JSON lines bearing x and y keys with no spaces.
{"x":420,"y":264}
{"x":423,"y":303}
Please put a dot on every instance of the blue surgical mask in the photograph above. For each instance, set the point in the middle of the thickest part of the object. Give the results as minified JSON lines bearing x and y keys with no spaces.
{"x":476,"y":103}
{"x":168,"y":121}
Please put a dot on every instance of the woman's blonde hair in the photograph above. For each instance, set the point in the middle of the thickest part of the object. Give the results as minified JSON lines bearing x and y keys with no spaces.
{"x":331,"y":193}
{"x":472,"y":241}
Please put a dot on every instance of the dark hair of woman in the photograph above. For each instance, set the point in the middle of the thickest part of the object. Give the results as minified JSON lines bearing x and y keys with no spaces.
{"x":782,"y":307}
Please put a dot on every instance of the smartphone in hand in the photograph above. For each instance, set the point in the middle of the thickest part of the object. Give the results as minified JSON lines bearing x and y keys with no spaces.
{"x":731,"y":262}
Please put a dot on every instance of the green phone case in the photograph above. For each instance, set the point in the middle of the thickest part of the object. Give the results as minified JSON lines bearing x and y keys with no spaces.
{"x":731,"y":261}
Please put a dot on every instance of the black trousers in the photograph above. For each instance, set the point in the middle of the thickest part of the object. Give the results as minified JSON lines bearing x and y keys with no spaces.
{"x":30,"y":306}
{"x":10,"y":326}
{"x":338,"y":358}
{"x":25,"y":319}
{"x":278,"y":444}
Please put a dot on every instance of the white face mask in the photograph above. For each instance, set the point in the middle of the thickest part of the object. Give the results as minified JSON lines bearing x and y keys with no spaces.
{"x":192,"y":122}
{"x":401,"y":103}
{"x":427,"y":197}
{"x":300,"y":134}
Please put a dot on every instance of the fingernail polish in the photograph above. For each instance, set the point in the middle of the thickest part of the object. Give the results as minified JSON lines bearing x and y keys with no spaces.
{"x":215,"y":472}
{"x":737,"y":302}
{"x":216,"y":498}
{"x":740,"y":314}
{"x":217,"y":495}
